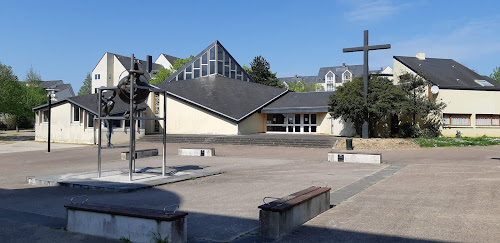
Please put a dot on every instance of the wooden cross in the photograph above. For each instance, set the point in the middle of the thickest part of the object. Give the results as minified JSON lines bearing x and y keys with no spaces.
{"x":365,"y":48}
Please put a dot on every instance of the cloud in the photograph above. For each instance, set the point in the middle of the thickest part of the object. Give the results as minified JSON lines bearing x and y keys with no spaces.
{"x":370,"y":11}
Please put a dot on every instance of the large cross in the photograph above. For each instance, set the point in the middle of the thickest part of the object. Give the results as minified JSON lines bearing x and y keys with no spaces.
{"x":365,"y":48}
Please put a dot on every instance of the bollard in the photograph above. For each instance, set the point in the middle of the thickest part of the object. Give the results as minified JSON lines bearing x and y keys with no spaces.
{"x":348,"y":144}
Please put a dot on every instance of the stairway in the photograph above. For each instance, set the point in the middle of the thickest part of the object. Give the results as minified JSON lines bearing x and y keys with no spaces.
{"x":285,"y":140}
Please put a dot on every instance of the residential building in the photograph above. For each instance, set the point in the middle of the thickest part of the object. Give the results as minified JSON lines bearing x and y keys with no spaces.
{"x":472,"y":100}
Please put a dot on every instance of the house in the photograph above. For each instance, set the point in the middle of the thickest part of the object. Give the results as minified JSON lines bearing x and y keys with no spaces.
{"x":113,"y":67}
{"x":211,"y":94}
{"x":63,"y":90}
{"x":331,"y":77}
{"x":472,"y":100}
{"x":73,"y":121}
{"x":166,"y":61}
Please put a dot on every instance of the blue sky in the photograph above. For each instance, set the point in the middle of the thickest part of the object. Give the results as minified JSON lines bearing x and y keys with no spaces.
{"x":65,"y":39}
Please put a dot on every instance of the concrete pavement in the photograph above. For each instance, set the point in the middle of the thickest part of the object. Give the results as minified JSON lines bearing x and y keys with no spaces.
{"x":442,"y":194}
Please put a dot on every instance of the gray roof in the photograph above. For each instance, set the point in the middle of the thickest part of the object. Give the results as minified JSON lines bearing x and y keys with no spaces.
{"x":447,"y":73}
{"x":62,"y":87}
{"x":169,"y":58}
{"x":300,"y":102}
{"x":356,"y":70}
{"x":229,"y":98}
{"x":125,"y":61}
{"x":89,"y":103}
{"x":304,"y":79}
{"x":48,"y":84}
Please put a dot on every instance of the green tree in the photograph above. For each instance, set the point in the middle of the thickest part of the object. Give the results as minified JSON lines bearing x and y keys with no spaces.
{"x":496,"y":74}
{"x":299,"y":86}
{"x":384,"y":100}
{"x":9,"y":89}
{"x":87,"y":86}
{"x":164,"y":73}
{"x":261,"y":73}
{"x":423,"y":111}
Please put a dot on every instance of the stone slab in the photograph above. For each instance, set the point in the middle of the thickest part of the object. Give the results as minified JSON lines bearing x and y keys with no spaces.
{"x":118,"y":180}
{"x":277,"y":224}
{"x":143,"y":153}
{"x":132,"y":228}
{"x":197,"y":151}
{"x":350,"y":157}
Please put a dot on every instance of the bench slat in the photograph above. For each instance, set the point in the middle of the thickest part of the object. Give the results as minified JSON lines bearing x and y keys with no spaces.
{"x":294,"y":199}
{"x":126,"y":211}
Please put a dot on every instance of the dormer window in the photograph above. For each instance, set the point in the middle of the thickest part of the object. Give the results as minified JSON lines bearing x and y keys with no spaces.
{"x":330,"y":77}
{"x":346,"y":76}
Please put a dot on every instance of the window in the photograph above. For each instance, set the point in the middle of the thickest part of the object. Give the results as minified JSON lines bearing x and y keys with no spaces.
{"x":329,"y":87}
{"x":487,"y":120}
{"x":456,"y":119}
{"x":45,"y":116}
{"x":90,"y":120}
{"x":97,"y":76}
{"x":76,"y":114}
{"x":291,"y":123}
{"x":329,"y":77}
{"x":483,"y":83}
{"x":346,"y":76}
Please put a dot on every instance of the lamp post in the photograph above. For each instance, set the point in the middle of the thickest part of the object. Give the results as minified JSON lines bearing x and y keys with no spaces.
{"x":51,"y":94}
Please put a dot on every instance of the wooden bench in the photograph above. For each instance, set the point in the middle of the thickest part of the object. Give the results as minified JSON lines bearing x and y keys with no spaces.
{"x":355,"y":157}
{"x":135,"y":224}
{"x":142,"y":153}
{"x":197,"y":151}
{"x":281,"y":216}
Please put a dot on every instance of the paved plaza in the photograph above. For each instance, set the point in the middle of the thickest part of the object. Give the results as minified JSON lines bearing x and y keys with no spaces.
{"x":430,"y":195}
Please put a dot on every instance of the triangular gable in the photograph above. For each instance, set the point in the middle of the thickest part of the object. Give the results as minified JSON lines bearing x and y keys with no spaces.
{"x":214,"y":59}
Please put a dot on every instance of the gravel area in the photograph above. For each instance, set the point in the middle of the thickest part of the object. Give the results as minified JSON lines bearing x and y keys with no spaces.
{"x":377,"y":144}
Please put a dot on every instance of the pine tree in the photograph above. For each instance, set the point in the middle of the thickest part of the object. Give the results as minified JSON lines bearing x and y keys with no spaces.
{"x":87,"y":86}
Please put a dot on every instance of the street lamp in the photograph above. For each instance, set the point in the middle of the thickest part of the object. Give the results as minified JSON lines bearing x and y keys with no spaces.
{"x":51,"y":94}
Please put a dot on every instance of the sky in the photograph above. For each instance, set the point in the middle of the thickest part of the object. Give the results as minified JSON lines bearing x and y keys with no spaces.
{"x":64,"y":40}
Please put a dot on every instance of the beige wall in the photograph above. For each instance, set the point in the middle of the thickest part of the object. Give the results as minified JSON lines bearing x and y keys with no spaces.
{"x":64,"y":130}
{"x":471,"y":102}
{"x":184,"y":118}
{"x":255,"y":123}
{"x":102,"y":69}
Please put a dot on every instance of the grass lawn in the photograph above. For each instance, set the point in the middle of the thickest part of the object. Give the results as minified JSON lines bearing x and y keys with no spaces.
{"x":456,"y":142}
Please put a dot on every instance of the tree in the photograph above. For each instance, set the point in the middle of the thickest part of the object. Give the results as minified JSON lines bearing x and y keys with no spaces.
{"x":496,"y":74}
{"x":300,"y":86}
{"x":261,"y":73}
{"x":165,"y":73}
{"x":384,"y":100}
{"x":424,"y":111}
{"x":9,"y":90}
{"x":87,"y":86}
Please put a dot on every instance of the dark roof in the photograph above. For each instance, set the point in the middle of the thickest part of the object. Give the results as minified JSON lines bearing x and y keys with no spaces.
{"x":89,"y":103}
{"x":47,"y":84}
{"x":229,"y":98}
{"x":304,"y":79}
{"x":300,"y":102}
{"x":125,"y":61}
{"x":169,"y":58}
{"x":356,"y":70}
{"x":62,"y":87}
{"x":447,"y":73}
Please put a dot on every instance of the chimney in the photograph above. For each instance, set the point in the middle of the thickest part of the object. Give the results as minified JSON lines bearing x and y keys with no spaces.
{"x":343,"y":64}
{"x":420,"y":55}
{"x":149,"y":60}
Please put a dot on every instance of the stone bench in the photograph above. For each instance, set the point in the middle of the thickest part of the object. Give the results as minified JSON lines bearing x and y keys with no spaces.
{"x":281,"y":216}
{"x":197,"y":151}
{"x":135,"y":224}
{"x":355,"y":157}
{"x":140,"y":154}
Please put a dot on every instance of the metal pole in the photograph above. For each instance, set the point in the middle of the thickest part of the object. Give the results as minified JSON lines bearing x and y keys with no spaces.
{"x":48,"y":135}
{"x":131,"y":93}
{"x":164,"y":133}
{"x":365,"y":88}
{"x":100,"y":133}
